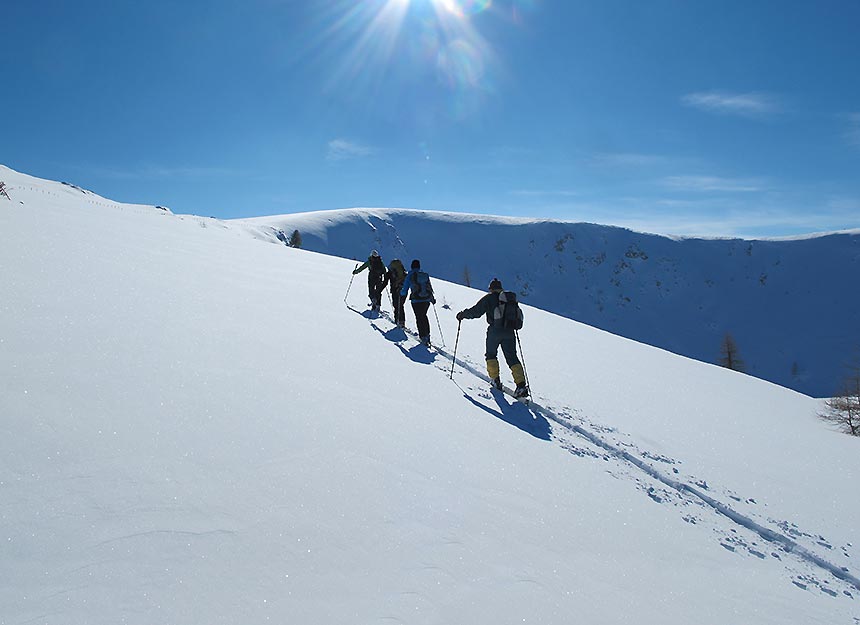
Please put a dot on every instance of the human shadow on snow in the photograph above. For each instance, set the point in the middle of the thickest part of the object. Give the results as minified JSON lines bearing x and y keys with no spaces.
{"x":515,"y":414}
{"x":417,"y":353}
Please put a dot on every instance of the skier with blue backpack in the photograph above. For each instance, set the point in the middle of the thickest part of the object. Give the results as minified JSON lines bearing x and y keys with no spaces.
{"x":504,"y":317}
{"x":422,"y":296}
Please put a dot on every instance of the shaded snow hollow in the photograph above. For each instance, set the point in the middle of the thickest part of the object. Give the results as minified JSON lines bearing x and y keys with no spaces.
{"x":785,"y":301}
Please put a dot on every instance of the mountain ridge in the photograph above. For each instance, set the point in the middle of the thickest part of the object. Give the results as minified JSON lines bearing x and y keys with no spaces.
{"x":683,"y":294}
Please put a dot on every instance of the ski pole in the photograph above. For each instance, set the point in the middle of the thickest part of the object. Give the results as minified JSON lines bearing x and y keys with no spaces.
{"x":439,"y":324}
{"x":457,"y":342}
{"x":350,"y":284}
{"x":523,"y":359}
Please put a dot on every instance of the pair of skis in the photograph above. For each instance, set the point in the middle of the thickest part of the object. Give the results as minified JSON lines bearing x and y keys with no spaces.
{"x":523,"y":399}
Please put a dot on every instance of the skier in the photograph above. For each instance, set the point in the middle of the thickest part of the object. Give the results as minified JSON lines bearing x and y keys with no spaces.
{"x":395,"y":277}
{"x":422,"y":296}
{"x":375,"y":278}
{"x":499,"y":333}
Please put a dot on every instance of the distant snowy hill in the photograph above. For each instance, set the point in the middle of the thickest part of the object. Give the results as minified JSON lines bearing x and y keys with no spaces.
{"x":200,"y":427}
{"x":792,"y":305}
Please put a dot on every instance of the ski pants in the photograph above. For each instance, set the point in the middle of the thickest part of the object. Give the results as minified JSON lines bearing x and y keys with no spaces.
{"x":399,"y":303}
{"x":374,"y":288}
{"x":420,"y":309}
{"x":507,"y":340}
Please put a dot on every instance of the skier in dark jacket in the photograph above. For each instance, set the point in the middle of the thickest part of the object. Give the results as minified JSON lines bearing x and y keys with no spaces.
{"x":375,"y":278}
{"x":422,"y":296}
{"x":498,"y":336}
{"x":395,"y":277}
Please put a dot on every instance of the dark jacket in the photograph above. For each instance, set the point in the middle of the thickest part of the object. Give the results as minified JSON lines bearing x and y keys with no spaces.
{"x":485,"y":306}
{"x":377,"y":270}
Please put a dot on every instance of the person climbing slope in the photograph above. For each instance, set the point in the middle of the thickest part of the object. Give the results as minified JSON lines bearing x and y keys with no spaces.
{"x":422,"y":296}
{"x":395,"y":276}
{"x":504,"y":318}
{"x":375,"y":278}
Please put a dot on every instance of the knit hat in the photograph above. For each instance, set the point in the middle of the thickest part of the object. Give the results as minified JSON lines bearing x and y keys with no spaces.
{"x":374,"y":253}
{"x":495,"y":285}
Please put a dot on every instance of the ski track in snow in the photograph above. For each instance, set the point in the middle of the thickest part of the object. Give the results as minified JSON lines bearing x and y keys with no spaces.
{"x":591,"y":440}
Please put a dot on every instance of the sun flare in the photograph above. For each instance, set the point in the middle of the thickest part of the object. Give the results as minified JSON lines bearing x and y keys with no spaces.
{"x":460,"y":8}
{"x":431,"y":47}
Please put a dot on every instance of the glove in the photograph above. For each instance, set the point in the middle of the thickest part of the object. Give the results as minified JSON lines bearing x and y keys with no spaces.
{"x":433,"y":300}
{"x":460,"y":316}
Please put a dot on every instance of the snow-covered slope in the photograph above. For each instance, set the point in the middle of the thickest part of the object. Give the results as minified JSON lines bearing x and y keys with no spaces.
{"x":195,"y":427}
{"x":791,"y":305}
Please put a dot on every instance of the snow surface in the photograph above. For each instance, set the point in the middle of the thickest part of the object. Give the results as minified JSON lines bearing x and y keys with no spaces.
{"x":197,"y":426}
{"x":792,"y":305}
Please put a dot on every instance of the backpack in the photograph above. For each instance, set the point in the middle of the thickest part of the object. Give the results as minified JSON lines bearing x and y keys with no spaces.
{"x":396,"y":272}
{"x":508,"y":313}
{"x":421,"y":287}
{"x":376,"y":265}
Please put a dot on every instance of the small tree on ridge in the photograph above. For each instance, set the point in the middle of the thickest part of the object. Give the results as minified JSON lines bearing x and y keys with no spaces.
{"x":729,"y":355}
{"x":295,"y":239}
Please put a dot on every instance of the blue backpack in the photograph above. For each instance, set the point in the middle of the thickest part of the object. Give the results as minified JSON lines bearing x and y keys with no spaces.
{"x":421,"y":287}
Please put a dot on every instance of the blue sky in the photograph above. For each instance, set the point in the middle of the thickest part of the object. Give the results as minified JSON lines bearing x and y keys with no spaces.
{"x":681,"y":117}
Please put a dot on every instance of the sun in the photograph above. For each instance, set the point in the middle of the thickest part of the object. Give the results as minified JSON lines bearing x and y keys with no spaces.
{"x":364,"y":43}
{"x":464,"y":8}
{"x":460,"y":8}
